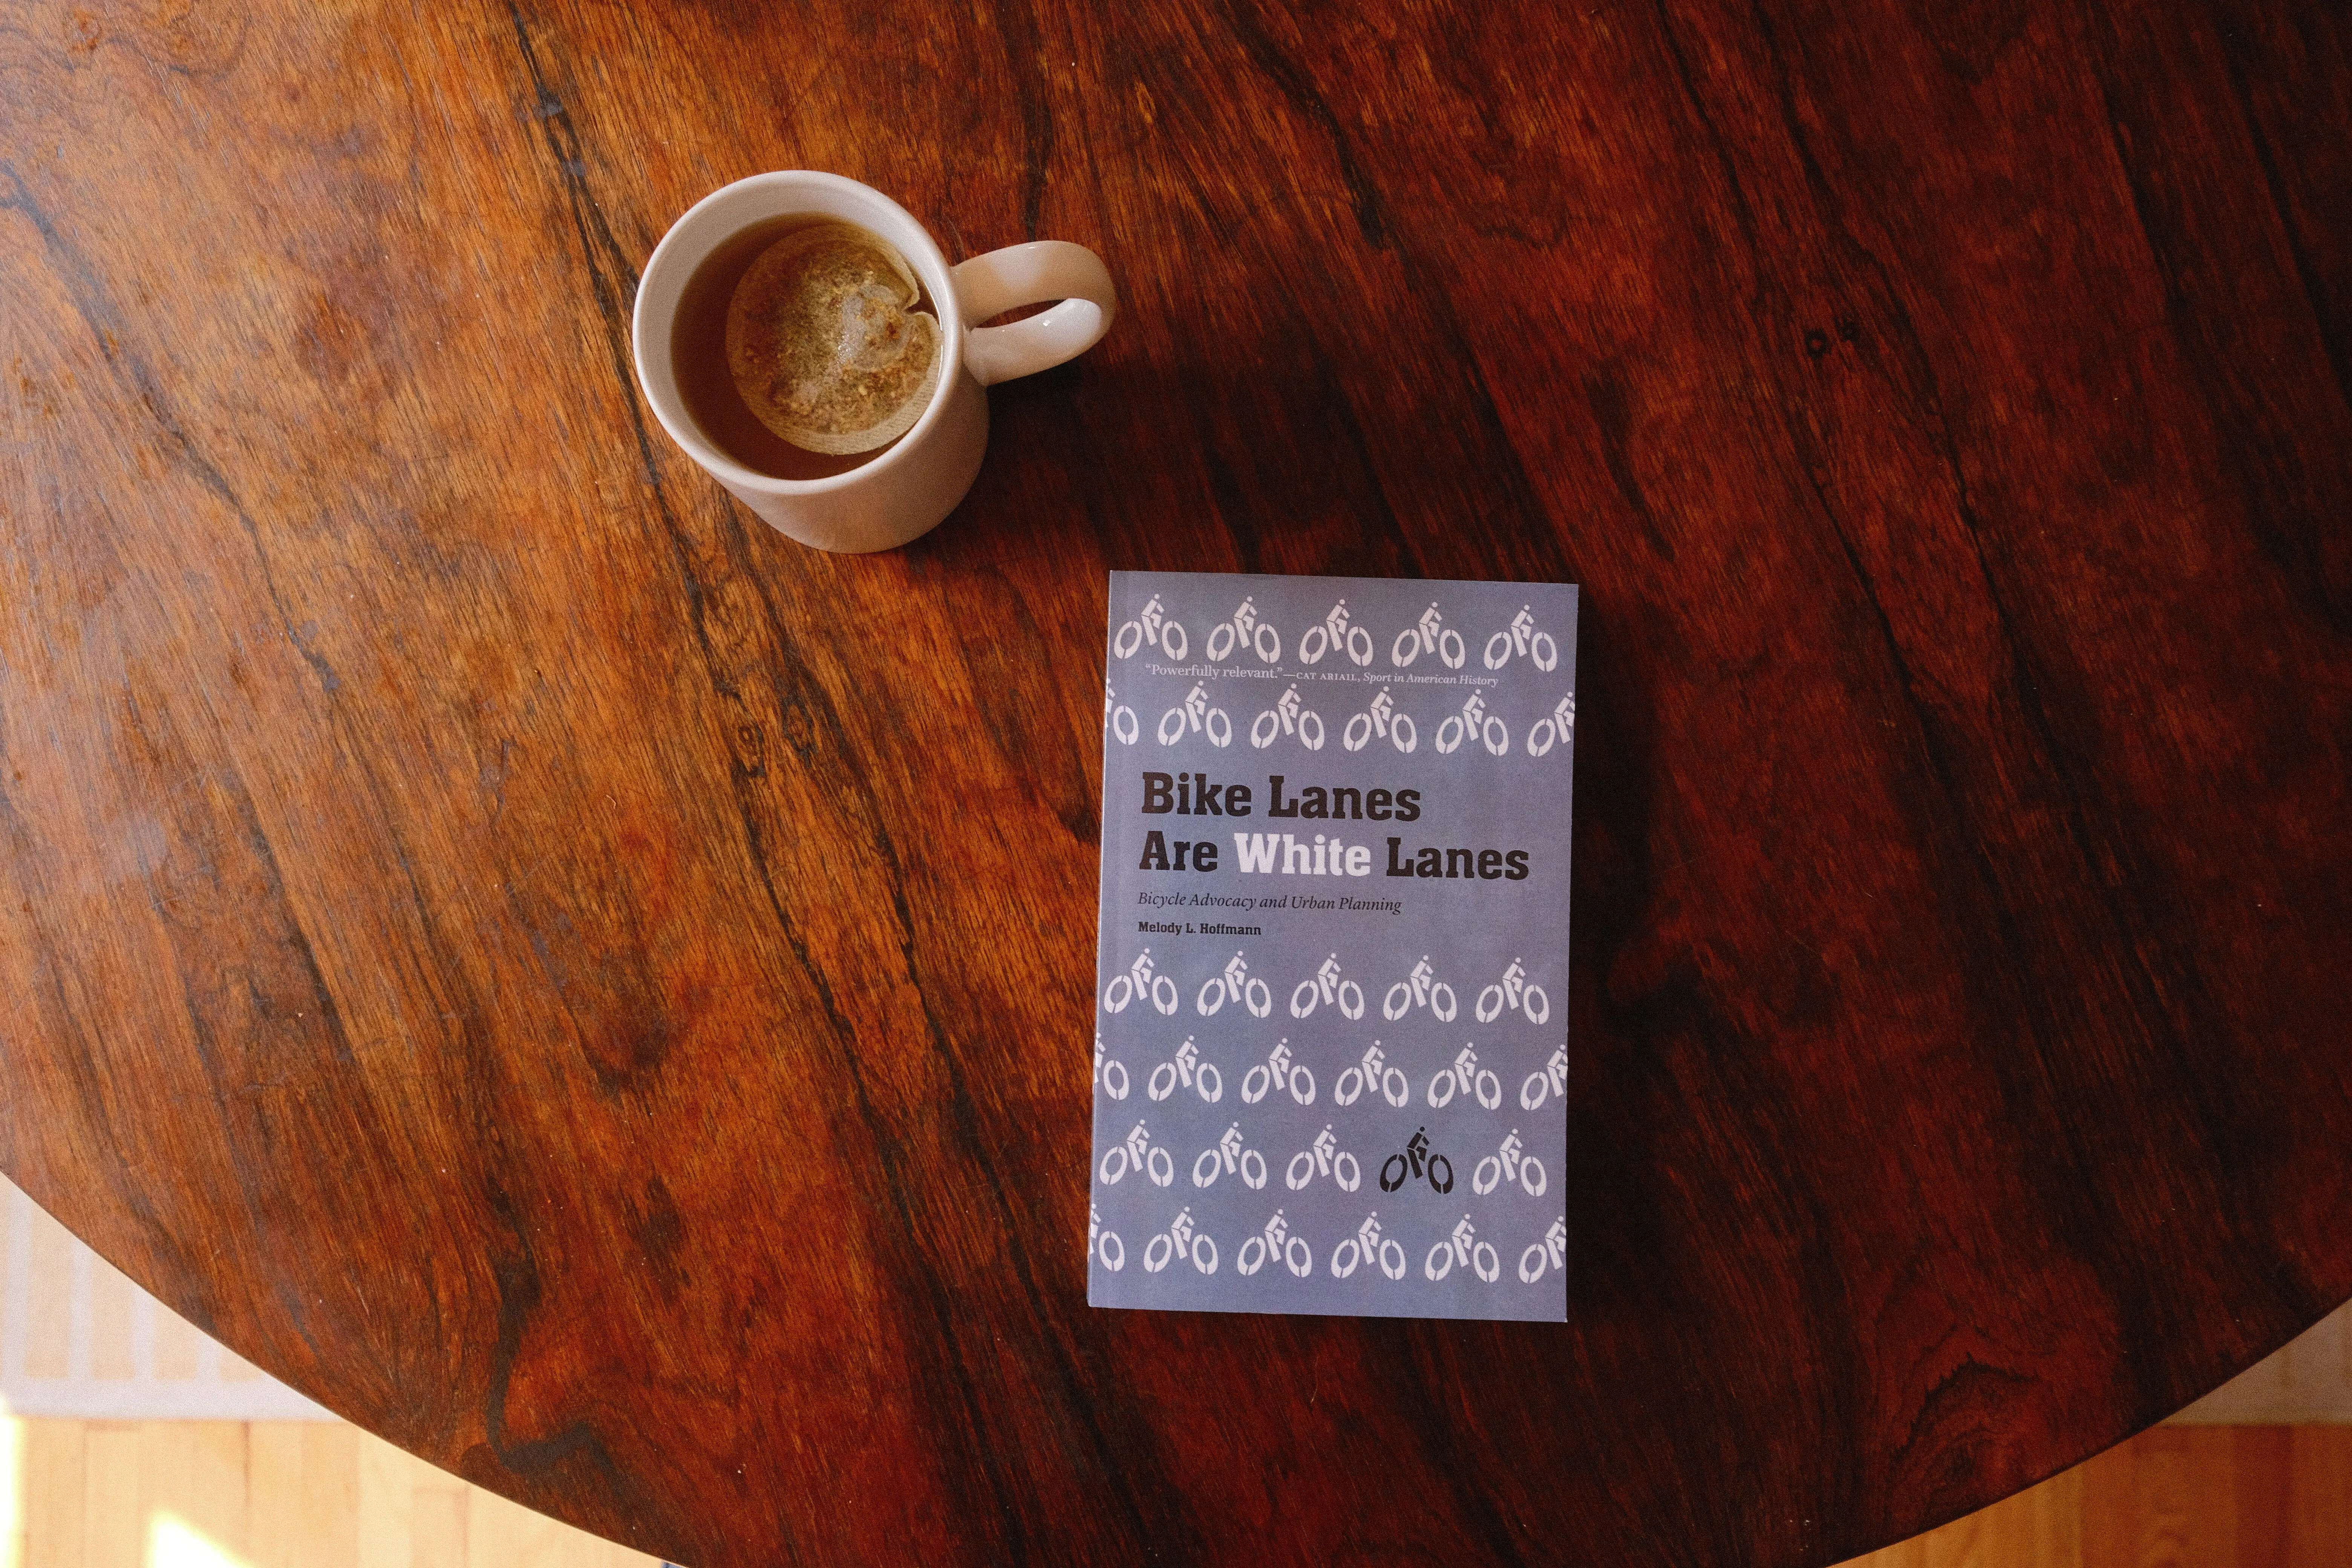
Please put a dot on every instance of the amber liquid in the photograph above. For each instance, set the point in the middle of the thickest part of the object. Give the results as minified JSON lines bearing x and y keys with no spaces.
{"x":698,"y":359}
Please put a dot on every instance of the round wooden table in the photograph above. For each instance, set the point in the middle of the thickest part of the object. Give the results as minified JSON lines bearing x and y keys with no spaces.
{"x":599,"y":993}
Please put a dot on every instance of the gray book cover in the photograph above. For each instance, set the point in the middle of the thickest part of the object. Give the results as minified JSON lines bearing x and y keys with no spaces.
{"x":1331,"y":987}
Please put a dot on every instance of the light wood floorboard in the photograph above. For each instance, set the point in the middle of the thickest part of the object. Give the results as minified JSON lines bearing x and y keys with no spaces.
{"x":262,"y":1494}
{"x":2177,"y":1497}
{"x":225,"y":1494}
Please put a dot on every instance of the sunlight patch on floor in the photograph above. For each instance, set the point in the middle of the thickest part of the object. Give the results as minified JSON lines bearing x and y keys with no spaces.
{"x":12,"y":1489}
{"x":174,"y":1543}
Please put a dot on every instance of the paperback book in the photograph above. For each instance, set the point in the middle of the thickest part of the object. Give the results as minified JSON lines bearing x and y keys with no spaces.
{"x":1331,"y":1048}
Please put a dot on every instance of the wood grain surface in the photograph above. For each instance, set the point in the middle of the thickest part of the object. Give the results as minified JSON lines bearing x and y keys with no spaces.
{"x":599,"y":993}
{"x":126,"y":1494}
{"x":281,"y":1494}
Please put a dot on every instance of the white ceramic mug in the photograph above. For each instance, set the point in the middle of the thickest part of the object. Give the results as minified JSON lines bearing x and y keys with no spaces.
{"x":904,"y":491}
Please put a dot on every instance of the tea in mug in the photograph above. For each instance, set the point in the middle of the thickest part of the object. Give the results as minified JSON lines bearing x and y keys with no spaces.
{"x":805,"y":347}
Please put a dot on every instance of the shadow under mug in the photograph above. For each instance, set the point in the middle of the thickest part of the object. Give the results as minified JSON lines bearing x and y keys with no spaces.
{"x":905,"y":490}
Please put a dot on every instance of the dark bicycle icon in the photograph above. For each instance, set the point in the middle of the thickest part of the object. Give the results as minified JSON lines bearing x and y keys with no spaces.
{"x":1417,"y":1161}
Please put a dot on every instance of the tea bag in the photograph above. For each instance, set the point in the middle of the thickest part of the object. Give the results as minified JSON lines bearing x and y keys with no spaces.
{"x":824,"y":342}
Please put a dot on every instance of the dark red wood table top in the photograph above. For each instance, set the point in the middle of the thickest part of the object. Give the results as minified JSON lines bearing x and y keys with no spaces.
{"x":599,"y":993}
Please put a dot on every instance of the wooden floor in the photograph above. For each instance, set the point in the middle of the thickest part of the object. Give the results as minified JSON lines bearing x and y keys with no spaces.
{"x":2194,"y":1496}
{"x":263,"y":1494}
{"x":222,"y":1494}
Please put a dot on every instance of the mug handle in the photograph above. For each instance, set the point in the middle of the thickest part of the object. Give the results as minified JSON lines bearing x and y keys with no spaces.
{"x":1032,"y":274}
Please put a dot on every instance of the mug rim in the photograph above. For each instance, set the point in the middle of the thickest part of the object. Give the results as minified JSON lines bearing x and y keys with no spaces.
{"x":928,"y":261}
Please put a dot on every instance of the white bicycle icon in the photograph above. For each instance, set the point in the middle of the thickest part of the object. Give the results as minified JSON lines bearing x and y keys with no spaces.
{"x":1513,"y":990}
{"x":1151,"y":626}
{"x":1325,"y":985}
{"x":1104,"y":1067}
{"x":1552,"y":1250}
{"x":1381,"y":718}
{"x":1234,"y":985}
{"x":1119,"y":718}
{"x":1333,"y":635}
{"x":1324,"y":1157}
{"x":1287,"y":717}
{"x":1552,"y":732}
{"x":1278,"y":1071}
{"x":1195,"y":714}
{"x":1275,"y":1242}
{"x":1466,"y":1078}
{"x":1225,"y":1156}
{"x":1141,"y":981}
{"x":1474,"y":720}
{"x":1430,"y":634}
{"x":1507,"y":1164}
{"x":1243,"y":631}
{"x":1180,"y":1240}
{"x":1550,"y":1079}
{"x":1420,"y":988}
{"x":1367,"y":1246}
{"x":1372,"y":1073}
{"x":1104,"y":1245}
{"x":1186,"y":1069}
{"x":1137,"y":1152}
{"x":1521,"y":636}
{"x":1463,"y":1247}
